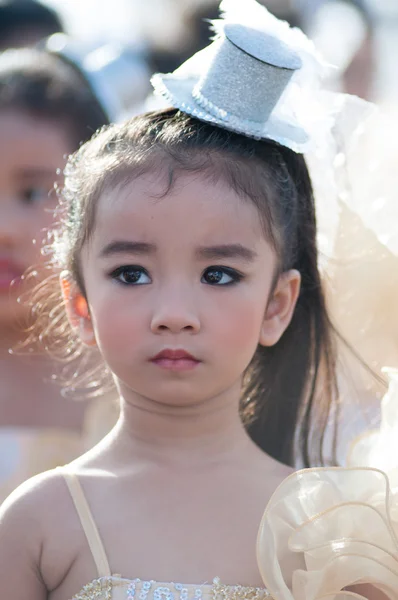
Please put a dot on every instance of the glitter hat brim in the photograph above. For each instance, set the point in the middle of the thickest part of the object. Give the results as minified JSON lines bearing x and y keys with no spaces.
{"x":178,"y":91}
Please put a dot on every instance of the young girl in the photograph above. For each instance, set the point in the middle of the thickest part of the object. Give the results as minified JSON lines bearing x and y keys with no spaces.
{"x":190,"y":262}
{"x":46,"y":110}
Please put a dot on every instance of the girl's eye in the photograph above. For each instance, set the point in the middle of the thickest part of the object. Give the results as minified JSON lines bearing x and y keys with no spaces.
{"x":33,"y":195}
{"x":221,"y":276}
{"x":131,"y":275}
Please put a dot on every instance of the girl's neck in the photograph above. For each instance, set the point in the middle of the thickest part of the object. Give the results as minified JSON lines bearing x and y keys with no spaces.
{"x":208,"y":431}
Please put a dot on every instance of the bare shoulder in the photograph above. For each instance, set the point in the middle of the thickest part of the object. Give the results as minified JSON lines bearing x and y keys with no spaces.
{"x":31,"y":518}
{"x":27,"y":508}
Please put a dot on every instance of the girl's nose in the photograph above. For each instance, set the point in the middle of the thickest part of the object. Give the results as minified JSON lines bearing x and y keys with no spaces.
{"x":175,"y":313}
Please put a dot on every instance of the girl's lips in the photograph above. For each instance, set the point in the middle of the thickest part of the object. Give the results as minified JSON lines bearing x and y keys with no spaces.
{"x":175,"y":360}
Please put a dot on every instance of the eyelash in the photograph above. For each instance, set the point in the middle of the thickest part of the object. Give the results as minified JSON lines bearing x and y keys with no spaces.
{"x":116,"y":274}
{"x":235,"y":276}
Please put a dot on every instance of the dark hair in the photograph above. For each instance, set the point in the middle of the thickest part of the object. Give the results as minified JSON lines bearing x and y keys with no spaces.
{"x":19,"y":15}
{"x":46,"y":87}
{"x":289,"y":388}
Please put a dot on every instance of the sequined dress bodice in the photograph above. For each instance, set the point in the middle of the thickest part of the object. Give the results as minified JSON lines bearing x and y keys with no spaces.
{"x":109,"y":586}
{"x":118,"y":588}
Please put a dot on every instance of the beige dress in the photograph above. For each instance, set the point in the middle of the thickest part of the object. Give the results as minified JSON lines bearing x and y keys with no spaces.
{"x":323,"y":530}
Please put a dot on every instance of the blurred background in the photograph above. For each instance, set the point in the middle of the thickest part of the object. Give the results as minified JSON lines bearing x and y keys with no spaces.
{"x":359,"y":37}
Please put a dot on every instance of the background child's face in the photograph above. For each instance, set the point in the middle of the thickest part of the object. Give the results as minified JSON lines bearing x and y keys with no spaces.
{"x":30,"y":152}
{"x":199,"y":273}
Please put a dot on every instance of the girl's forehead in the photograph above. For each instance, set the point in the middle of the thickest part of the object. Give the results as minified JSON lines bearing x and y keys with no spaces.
{"x":193,"y":201}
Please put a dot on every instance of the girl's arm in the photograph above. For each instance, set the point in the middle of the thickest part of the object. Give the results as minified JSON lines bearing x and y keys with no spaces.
{"x":20,"y":550}
{"x":32,"y":558}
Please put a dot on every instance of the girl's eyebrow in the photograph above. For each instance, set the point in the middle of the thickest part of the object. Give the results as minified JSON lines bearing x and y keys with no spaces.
{"x":124,"y":246}
{"x":203,"y":252}
{"x":226,"y":251}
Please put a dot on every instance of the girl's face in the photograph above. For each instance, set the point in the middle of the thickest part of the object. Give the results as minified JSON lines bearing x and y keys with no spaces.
{"x":180,"y":288}
{"x":30,"y":152}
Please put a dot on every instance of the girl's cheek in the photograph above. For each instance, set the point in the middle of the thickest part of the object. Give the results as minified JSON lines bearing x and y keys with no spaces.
{"x":241,"y":324}
{"x":246,"y":333}
{"x":117,"y":323}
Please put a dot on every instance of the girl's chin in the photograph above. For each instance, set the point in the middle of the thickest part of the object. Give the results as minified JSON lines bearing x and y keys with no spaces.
{"x":174,"y":399}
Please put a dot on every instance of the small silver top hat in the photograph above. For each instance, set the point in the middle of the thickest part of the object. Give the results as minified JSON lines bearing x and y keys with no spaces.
{"x":239,"y":81}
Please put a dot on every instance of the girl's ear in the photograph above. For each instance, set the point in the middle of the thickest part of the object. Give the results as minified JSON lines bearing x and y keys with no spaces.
{"x":77,"y":309}
{"x":280,"y":307}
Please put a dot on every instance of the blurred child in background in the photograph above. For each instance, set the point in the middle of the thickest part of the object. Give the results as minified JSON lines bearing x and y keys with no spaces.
{"x":46,"y":111}
{"x":26,"y":22}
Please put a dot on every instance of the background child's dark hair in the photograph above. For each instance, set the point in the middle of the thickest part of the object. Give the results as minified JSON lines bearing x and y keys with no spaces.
{"x":21,"y":17}
{"x":46,"y":87}
{"x":290,"y":388}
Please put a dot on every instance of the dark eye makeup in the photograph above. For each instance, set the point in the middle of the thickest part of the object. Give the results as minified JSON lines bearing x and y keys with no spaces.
{"x":216,"y":275}
{"x":221,"y":276}
{"x":131,"y":275}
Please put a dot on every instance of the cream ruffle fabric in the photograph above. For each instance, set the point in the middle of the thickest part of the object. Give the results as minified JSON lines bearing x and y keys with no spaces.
{"x":326,"y":530}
